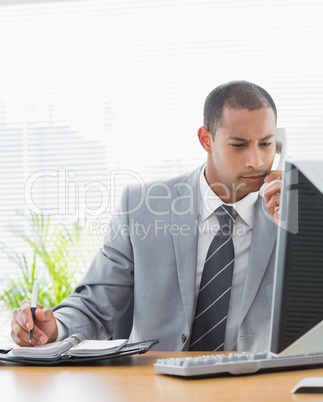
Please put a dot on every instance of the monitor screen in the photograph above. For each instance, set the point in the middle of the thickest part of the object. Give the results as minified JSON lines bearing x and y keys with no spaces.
{"x":298,"y":282}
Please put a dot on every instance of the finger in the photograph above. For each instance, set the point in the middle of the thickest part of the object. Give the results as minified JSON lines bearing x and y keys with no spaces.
{"x":274,"y":174}
{"x":39,"y":337}
{"x":44,"y":314}
{"x":272,"y":189}
{"x":20,"y":335}
{"x":47,"y":323}
{"x":25,"y":323}
{"x":273,"y":204}
{"x":23,"y":315}
{"x":20,"y":321}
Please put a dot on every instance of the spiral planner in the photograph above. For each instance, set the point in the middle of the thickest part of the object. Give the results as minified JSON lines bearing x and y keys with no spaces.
{"x":76,"y":350}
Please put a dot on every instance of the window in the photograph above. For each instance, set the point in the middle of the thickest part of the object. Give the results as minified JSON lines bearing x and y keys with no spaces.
{"x":97,"y":93}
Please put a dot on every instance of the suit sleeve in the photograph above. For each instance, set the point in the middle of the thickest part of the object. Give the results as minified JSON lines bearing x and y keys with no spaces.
{"x":102,"y":296}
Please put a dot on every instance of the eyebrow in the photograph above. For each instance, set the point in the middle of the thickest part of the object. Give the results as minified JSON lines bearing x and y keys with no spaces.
{"x":244,"y":140}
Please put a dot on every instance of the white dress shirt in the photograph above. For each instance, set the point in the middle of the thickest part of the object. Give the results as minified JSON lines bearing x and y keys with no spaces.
{"x":241,"y":237}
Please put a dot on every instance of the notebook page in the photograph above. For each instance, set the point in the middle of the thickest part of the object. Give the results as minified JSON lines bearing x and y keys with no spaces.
{"x":96,"y":347}
{"x":48,"y":350}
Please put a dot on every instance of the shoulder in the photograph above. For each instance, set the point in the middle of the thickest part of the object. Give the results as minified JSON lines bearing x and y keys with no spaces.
{"x":163,"y":186}
{"x":158,"y":193}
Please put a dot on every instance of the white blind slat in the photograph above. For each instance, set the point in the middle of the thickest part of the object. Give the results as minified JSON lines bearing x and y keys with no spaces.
{"x":93,"y":86}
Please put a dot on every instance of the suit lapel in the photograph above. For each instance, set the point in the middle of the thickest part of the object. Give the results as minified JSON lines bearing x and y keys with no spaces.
{"x":185,"y":245}
{"x":262,"y":245}
{"x":184,"y":216}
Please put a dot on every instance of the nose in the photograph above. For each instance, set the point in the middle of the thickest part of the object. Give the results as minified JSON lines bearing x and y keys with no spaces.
{"x":254,"y":159}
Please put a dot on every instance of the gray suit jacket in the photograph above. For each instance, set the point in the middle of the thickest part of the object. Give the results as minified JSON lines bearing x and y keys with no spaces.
{"x":151,"y":250}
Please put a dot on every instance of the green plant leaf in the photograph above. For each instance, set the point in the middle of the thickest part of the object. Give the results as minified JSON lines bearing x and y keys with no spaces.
{"x":56,"y":255}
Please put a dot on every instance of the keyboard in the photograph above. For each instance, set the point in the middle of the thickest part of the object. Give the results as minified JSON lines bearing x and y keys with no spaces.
{"x":233,"y":363}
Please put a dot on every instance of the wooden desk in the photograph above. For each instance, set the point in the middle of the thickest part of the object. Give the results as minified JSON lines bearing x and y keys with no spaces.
{"x":133,"y":378}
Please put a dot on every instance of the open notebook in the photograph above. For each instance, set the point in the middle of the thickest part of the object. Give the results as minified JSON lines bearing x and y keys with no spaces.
{"x":76,"y":349}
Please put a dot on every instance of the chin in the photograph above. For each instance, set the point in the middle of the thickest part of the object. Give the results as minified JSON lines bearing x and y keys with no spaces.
{"x":251,"y":189}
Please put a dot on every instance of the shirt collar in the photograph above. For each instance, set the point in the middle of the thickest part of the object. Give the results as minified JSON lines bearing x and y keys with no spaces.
{"x":209,"y":202}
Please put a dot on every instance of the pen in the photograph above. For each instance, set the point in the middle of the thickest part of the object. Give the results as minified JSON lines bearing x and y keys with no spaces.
{"x":34,"y":300}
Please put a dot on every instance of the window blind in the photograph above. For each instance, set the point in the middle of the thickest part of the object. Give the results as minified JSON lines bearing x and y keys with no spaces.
{"x":98,"y":93}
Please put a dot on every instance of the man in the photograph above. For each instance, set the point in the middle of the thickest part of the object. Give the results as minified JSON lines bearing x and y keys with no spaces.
{"x":165,"y":231}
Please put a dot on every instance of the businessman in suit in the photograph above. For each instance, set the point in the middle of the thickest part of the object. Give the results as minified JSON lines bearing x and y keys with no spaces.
{"x":161,"y":233}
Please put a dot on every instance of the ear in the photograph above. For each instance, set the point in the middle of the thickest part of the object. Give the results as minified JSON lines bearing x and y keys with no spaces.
{"x":205,"y":138}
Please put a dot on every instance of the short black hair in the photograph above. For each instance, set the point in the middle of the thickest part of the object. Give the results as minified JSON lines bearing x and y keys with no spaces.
{"x":234,"y":95}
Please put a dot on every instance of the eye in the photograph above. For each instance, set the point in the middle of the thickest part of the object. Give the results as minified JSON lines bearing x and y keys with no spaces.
{"x":266,"y":144}
{"x":238,"y":145}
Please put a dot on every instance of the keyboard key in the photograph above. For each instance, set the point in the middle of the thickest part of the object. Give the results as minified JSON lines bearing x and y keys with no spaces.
{"x":234,"y":363}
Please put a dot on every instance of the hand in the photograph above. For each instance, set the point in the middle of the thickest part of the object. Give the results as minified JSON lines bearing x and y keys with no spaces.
{"x":45,"y":325}
{"x":272,"y":194}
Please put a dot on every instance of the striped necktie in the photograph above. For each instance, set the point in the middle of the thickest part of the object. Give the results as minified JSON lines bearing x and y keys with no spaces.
{"x":214,"y":295}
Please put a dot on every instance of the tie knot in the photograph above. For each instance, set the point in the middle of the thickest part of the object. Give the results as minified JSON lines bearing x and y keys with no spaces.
{"x":227,"y":217}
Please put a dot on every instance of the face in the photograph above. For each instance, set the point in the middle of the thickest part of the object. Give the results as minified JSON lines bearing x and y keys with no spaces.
{"x":242,"y":152}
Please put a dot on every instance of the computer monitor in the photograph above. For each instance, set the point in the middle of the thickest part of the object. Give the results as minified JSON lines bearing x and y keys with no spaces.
{"x":297,"y":316}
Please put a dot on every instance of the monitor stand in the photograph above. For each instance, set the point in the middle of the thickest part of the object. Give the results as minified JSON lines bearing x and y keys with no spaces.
{"x":309,"y":343}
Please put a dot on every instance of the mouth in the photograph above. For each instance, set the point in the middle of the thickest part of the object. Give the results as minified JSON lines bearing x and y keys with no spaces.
{"x":254,"y":179}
